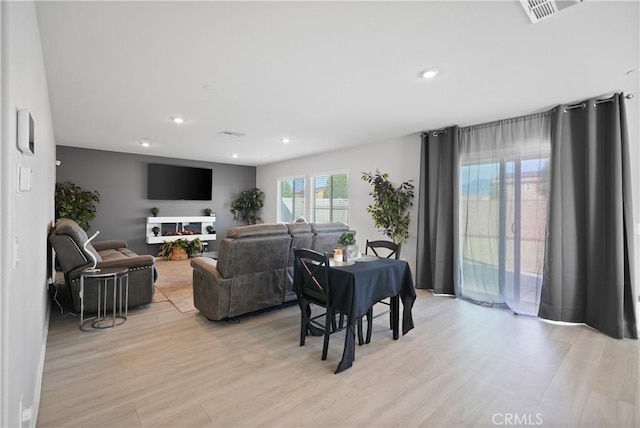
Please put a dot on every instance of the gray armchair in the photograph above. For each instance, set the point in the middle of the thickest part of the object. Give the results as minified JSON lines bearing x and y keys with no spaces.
{"x":68,"y":239}
{"x":249,"y":274}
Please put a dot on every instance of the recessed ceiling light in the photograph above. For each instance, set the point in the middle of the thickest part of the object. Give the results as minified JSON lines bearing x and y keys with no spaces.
{"x":145,"y":142}
{"x":177,"y":119}
{"x":235,"y":156}
{"x":285,"y":140}
{"x":431,"y":73}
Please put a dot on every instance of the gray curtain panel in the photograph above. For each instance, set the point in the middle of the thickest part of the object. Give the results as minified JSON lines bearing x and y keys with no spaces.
{"x":589,"y":273}
{"x":439,"y":169}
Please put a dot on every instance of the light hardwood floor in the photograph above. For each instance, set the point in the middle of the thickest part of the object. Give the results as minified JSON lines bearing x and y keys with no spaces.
{"x":463,"y":365}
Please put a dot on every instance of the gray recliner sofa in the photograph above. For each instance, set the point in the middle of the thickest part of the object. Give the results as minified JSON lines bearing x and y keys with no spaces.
{"x":254,"y":270}
{"x":68,"y":239}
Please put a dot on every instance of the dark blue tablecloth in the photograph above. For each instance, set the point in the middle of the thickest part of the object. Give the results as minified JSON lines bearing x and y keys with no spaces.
{"x":355,"y":288}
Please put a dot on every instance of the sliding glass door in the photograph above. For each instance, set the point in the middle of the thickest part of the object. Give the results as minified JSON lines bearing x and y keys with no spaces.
{"x":525,"y":226}
{"x":502,"y":221}
{"x":480,"y":234}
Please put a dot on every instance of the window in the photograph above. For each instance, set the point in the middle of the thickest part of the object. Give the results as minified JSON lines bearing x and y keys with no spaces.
{"x":326,"y":200}
{"x":291,"y":200}
{"x":330,"y":198}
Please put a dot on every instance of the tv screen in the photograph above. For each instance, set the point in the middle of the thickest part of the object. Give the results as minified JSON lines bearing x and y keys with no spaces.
{"x":170,"y":182}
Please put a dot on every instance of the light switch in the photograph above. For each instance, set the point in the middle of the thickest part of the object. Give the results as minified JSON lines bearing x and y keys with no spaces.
{"x":24,"y":178}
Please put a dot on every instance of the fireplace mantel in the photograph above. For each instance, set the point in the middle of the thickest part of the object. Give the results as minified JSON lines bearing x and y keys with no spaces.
{"x":179,"y":224}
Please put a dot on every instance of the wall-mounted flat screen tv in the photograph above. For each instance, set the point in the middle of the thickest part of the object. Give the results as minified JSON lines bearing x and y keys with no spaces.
{"x":171,"y":182}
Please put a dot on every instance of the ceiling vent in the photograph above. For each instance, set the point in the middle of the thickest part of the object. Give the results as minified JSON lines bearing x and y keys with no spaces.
{"x":231,"y":134}
{"x":537,"y":10}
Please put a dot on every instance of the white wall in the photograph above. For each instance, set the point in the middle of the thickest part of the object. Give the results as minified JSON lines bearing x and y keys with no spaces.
{"x":400,"y":158}
{"x":25,"y":217}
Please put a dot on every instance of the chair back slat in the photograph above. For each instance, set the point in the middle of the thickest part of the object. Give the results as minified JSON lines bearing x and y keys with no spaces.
{"x":393,"y":249}
{"x":311,"y":272}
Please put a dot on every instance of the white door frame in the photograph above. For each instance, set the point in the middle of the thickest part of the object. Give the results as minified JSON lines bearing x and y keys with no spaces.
{"x":5,"y":169}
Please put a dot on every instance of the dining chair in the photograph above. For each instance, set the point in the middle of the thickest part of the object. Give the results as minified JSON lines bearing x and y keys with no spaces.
{"x":311,"y":281}
{"x":381,"y":249}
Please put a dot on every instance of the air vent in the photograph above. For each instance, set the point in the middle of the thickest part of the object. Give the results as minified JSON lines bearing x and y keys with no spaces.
{"x":231,"y":134}
{"x":537,"y":10}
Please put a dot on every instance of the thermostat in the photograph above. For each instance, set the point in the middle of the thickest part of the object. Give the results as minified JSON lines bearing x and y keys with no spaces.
{"x":26,"y":141}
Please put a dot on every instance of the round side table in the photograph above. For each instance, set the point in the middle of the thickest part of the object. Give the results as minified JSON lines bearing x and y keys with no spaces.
{"x":119,"y":277}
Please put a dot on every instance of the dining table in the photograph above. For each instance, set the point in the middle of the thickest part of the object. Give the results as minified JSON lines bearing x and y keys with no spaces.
{"x":357,"y":286}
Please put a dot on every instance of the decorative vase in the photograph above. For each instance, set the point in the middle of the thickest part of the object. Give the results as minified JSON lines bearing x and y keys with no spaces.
{"x":179,"y":254}
{"x":351,"y":254}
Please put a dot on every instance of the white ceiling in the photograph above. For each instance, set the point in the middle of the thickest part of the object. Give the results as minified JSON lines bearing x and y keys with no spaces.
{"x":325,"y":74}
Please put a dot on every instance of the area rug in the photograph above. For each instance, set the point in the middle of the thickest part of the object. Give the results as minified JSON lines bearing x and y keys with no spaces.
{"x":175,"y":282}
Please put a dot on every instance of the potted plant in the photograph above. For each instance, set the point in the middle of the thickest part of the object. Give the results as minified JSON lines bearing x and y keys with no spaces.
{"x":391,"y":205}
{"x":207,"y":211}
{"x":180,"y":249}
{"x":155,"y":230}
{"x":76,"y":203}
{"x":155,"y":211}
{"x":248,"y":206}
{"x":173,"y":250}
{"x":348,"y":242}
{"x":194,"y":247}
{"x":210,"y":230}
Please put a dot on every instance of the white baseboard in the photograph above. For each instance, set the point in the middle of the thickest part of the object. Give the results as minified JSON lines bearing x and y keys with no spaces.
{"x":38,"y":386}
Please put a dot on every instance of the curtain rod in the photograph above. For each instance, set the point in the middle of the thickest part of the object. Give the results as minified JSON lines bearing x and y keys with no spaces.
{"x":435,"y":133}
{"x":595,"y":103}
{"x":439,"y":131}
{"x":581,"y":105}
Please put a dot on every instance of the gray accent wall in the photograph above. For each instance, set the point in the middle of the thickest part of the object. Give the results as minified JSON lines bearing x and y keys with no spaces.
{"x":121,"y":179}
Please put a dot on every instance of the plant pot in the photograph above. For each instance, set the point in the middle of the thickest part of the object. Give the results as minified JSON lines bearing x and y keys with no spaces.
{"x":179,"y":254}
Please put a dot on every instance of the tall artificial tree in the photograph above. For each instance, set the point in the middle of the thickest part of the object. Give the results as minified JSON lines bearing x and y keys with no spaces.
{"x":247,"y":207}
{"x":391,"y":206}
